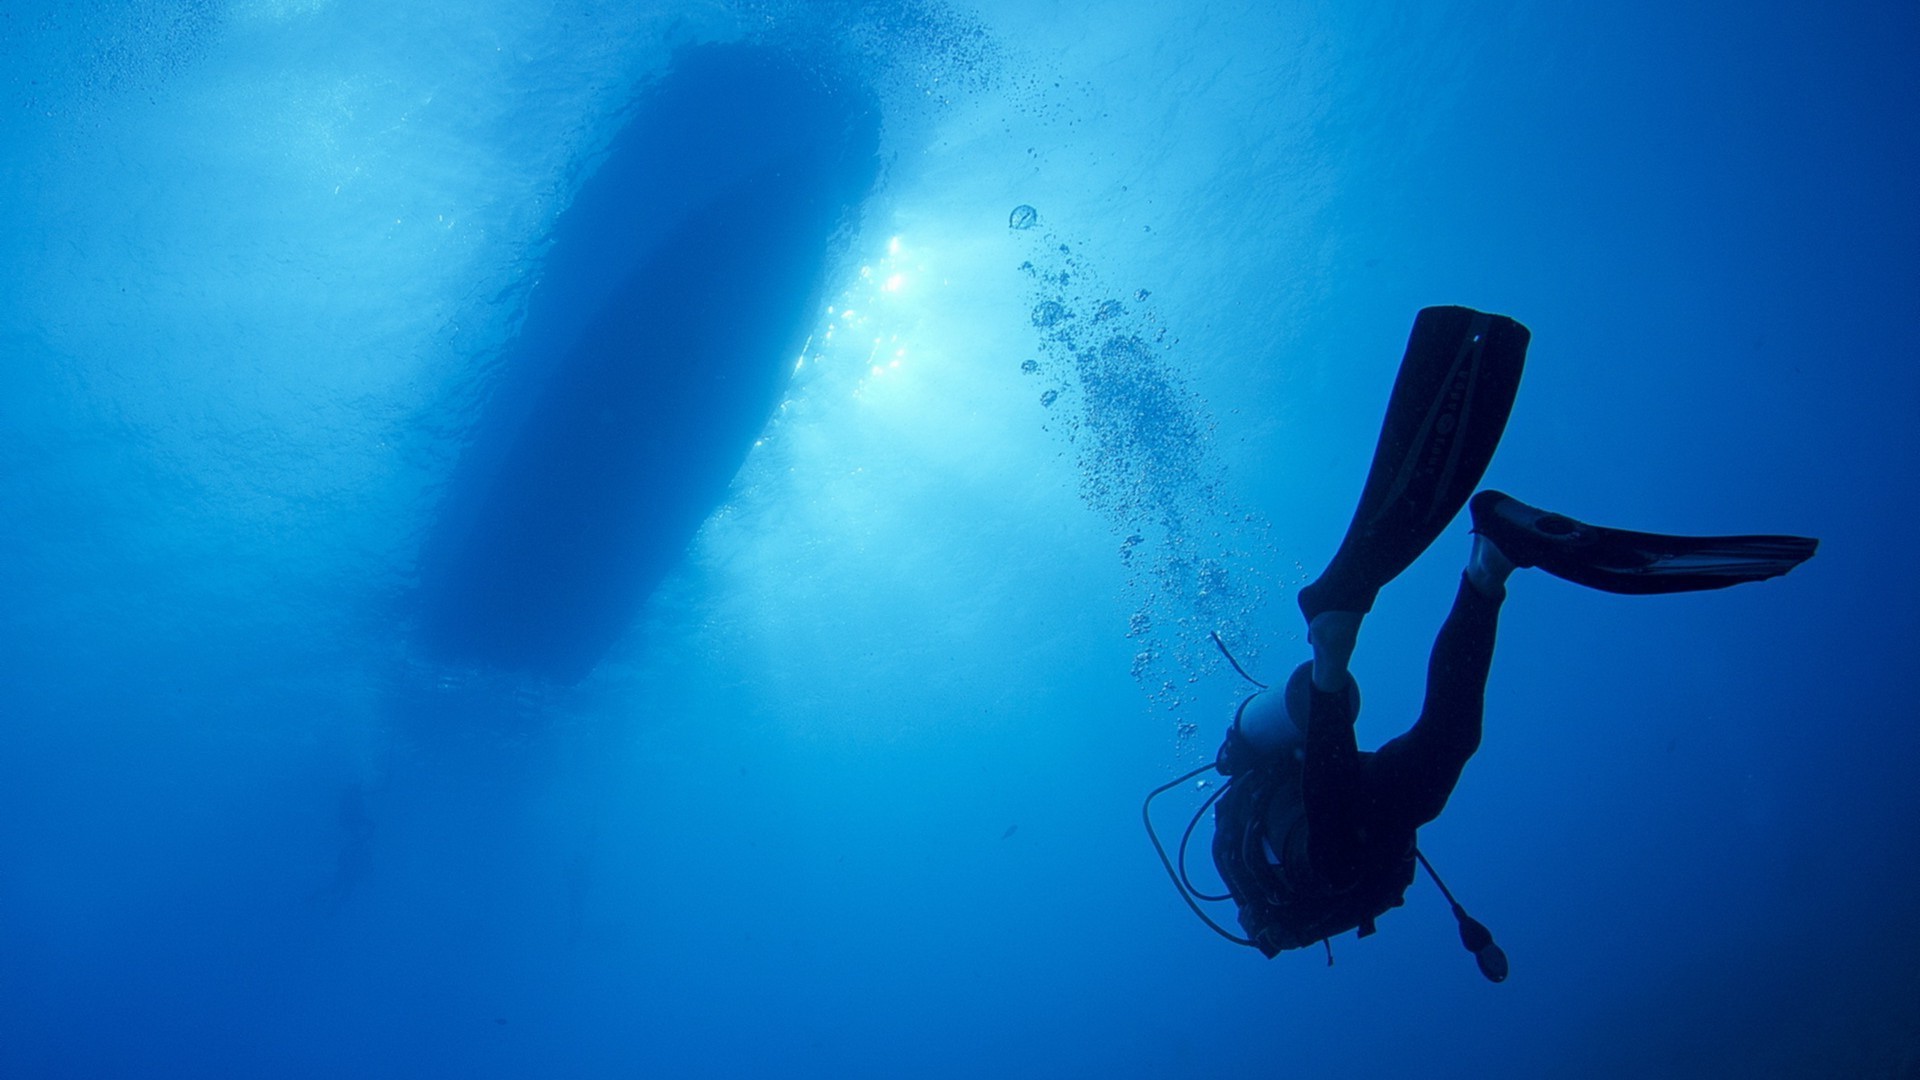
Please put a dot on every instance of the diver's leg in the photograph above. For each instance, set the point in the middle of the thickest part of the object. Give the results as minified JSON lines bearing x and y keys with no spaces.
{"x":1332,"y":634}
{"x":1332,"y":784}
{"x":1412,"y":775}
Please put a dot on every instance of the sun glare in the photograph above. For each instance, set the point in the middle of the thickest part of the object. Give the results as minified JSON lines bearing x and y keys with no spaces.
{"x":868,"y":307}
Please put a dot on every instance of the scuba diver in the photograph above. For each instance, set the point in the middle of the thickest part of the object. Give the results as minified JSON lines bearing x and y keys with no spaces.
{"x":1314,"y":837}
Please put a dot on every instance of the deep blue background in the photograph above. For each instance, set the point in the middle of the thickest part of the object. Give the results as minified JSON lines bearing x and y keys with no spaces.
{"x":857,"y":795}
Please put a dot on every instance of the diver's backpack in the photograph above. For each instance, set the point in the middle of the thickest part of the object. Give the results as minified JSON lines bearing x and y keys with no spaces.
{"x":1260,"y":849}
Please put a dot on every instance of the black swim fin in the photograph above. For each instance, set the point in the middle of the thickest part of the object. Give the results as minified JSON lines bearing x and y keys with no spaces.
{"x":1449,"y":407}
{"x":1620,"y":561}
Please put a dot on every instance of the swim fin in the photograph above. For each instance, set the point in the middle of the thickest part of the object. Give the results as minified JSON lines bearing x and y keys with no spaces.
{"x":1449,"y":407}
{"x":1619,"y":561}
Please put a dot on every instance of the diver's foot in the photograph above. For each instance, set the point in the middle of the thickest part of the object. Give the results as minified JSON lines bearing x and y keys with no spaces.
{"x":1526,"y":535}
{"x":1333,"y":635}
{"x":1488,"y":568}
{"x":1332,"y":592}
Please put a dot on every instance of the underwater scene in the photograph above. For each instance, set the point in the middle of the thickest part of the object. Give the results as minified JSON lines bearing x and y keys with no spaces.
{"x":589,"y":539}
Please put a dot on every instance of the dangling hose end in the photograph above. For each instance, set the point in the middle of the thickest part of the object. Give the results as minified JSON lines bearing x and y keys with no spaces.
{"x":1222,"y":646}
{"x":1473,"y":933}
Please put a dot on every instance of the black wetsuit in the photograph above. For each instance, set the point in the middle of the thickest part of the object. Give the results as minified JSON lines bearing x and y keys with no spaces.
{"x":1361,"y":810}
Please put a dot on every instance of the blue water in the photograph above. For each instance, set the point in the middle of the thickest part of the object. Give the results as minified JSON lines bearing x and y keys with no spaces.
{"x":856,"y":793}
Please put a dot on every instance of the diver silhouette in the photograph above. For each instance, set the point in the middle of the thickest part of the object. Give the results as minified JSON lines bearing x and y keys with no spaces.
{"x":1313,"y":836}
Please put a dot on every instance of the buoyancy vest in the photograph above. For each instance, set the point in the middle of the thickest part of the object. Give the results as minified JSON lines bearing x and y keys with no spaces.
{"x":1260,"y":849}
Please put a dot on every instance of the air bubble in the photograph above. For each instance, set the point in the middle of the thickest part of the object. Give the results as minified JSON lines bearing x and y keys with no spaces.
{"x":1048,"y":313}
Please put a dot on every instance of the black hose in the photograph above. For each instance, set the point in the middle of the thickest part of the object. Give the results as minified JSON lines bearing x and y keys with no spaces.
{"x":1193,"y":823}
{"x":1222,"y":646}
{"x":1146,"y":816}
{"x":1473,"y":933}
